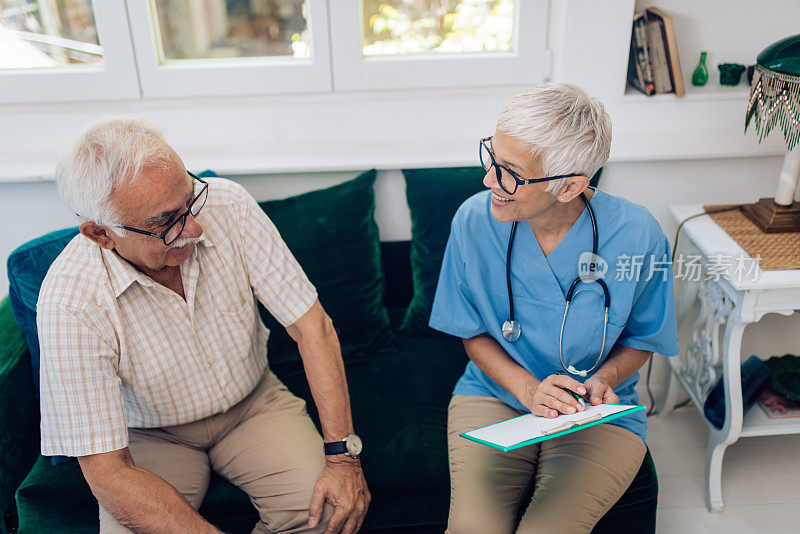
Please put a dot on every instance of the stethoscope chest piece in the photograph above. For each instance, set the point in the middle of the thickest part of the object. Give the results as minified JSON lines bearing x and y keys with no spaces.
{"x":511,"y":330}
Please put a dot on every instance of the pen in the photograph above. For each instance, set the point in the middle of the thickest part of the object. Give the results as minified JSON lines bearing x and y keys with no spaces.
{"x":577,"y":397}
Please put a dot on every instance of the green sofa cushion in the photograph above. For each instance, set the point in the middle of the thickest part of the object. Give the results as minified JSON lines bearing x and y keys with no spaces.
{"x":433,"y":197}
{"x":58,"y":499}
{"x":27,"y":266}
{"x":333,"y":235}
{"x":19,"y":414}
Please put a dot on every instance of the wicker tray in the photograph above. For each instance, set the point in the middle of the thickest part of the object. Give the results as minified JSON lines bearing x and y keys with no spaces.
{"x":777,"y":251}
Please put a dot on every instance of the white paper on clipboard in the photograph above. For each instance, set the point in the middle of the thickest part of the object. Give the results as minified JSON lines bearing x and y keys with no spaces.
{"x":509,"y":434}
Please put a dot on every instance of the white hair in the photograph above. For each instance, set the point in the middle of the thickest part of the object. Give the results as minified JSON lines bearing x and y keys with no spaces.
{"x":566,"y":129}
{"x":107,"y":154}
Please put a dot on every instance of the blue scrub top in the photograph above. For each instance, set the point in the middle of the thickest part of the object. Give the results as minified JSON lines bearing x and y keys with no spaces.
{"x":471,"y":296}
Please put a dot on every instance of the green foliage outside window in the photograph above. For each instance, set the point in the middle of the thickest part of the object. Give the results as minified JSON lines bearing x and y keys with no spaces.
{"x":393,"y":27}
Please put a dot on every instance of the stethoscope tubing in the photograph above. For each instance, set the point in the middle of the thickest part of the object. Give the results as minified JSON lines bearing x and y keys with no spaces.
{"x":511,"y":328}
{"x":508,"y":271}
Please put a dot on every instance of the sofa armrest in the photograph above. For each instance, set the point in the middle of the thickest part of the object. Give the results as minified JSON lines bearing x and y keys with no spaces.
{"x":19,"y":412}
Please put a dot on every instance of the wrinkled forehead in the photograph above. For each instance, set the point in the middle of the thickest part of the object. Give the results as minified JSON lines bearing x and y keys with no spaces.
{"x":156,"y":190}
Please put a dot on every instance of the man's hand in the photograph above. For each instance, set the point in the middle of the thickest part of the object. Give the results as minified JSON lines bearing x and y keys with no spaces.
{"x":342,"y":484}
{"x":549,"y":397}
{"x":600,"y":391}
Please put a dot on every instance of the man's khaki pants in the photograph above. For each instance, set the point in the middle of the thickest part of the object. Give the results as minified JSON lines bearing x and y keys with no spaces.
{"x":560,"y":486}
{"x":266,"y":445}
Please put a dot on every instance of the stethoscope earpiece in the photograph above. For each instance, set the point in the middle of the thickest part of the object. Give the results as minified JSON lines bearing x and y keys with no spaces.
{"x":571,"y":370}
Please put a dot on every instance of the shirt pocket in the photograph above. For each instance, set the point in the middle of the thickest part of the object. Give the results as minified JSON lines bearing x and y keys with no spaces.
{"x":237,"y":332}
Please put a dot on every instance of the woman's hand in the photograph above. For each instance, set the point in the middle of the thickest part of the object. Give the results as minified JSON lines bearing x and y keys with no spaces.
{"x":550,"y":397}
{"x":600,"y":391}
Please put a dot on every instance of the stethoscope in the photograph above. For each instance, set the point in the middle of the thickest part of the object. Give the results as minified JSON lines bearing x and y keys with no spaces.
{"x":512,"y":329}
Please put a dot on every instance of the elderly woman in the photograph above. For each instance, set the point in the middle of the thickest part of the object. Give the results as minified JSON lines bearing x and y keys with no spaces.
{"x":510,"y":270}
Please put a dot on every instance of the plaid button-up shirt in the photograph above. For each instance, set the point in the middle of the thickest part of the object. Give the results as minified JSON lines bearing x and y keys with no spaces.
{"x":119,"y":350}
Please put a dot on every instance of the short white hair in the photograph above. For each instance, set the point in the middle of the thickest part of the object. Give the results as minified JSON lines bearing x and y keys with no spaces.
{"x":569,"y":131}
{"x":107,"y":154}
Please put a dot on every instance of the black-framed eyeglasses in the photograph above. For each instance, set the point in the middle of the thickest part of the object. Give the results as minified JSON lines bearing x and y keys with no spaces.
{"x":506,"y":175}
{"x":175,"y":229}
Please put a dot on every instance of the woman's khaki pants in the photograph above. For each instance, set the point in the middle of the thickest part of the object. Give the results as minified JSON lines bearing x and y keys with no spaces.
{"x":558,"y":486}
{"x":266,"y":445}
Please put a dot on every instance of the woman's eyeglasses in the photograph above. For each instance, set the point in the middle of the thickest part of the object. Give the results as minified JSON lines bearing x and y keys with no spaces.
{"x":508,"y":180}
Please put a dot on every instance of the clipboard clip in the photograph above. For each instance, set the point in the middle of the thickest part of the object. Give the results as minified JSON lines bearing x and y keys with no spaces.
{"x":572,"y":424}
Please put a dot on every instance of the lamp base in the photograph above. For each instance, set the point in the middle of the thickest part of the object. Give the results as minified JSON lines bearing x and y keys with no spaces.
{"x":773,"y":218}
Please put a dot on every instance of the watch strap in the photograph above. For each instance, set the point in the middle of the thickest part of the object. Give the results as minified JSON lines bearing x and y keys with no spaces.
{"x":336,"y":447}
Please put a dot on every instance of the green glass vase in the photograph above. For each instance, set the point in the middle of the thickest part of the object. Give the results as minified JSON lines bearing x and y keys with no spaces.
{"x":700,"y":74}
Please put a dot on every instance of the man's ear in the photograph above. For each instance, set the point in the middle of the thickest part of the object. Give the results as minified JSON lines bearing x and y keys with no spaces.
{"x":574,"y":186}
{"x":98,"y":234}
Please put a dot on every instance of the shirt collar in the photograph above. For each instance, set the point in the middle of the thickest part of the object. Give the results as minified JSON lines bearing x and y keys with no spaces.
{"x":122,"y":274}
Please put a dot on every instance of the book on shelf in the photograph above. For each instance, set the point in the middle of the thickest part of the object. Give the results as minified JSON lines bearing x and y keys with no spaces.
{"x":640,"y":71}
{"x":659,"y":61}
{"x":667,"y":28}
{"x":777,"y":406}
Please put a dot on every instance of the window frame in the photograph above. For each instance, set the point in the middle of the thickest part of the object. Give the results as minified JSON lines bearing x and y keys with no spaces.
{"x":115,"y":79}
{"x":526,"y":64}
{"x":229,"y":77}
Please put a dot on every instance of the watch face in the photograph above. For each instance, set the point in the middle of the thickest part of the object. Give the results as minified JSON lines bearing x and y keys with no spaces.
{"x":354,"y":446}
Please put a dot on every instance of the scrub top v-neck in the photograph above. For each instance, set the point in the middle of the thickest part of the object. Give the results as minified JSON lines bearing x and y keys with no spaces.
{"x":472,"y":298}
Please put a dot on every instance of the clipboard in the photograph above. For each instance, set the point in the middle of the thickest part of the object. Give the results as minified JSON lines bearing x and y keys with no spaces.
{"x":529,"y":429}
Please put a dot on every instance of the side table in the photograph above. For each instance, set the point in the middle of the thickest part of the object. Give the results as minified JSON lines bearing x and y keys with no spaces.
{"x":733,"y":292}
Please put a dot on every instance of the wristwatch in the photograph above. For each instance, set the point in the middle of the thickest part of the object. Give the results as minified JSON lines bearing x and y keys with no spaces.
{"x":350,"y":446}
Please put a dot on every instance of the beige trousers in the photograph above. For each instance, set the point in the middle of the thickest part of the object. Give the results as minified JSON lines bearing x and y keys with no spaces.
{"x":563,"y":485}
{"x":266,"y":445}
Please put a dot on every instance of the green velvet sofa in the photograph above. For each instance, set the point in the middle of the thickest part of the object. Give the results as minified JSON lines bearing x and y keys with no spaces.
{"x":400,"y":388}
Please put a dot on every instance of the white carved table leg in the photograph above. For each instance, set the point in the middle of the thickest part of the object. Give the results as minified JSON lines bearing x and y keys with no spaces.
{"x":734,"y":408}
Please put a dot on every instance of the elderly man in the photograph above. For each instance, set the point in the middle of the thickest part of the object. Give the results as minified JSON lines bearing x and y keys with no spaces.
{"x":153,"y":356}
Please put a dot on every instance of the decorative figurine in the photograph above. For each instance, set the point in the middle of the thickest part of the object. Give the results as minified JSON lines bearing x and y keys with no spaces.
{"x":700,"y":74}
{"x":730,"y":73}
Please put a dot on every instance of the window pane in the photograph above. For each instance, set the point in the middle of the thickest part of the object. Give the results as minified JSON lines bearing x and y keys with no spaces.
{"x":204,"y":29}
{"x":47,"y":33}
{"x":394,"y":27}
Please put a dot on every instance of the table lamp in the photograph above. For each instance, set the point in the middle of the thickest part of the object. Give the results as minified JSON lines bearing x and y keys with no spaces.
{"x":775,"y":100}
